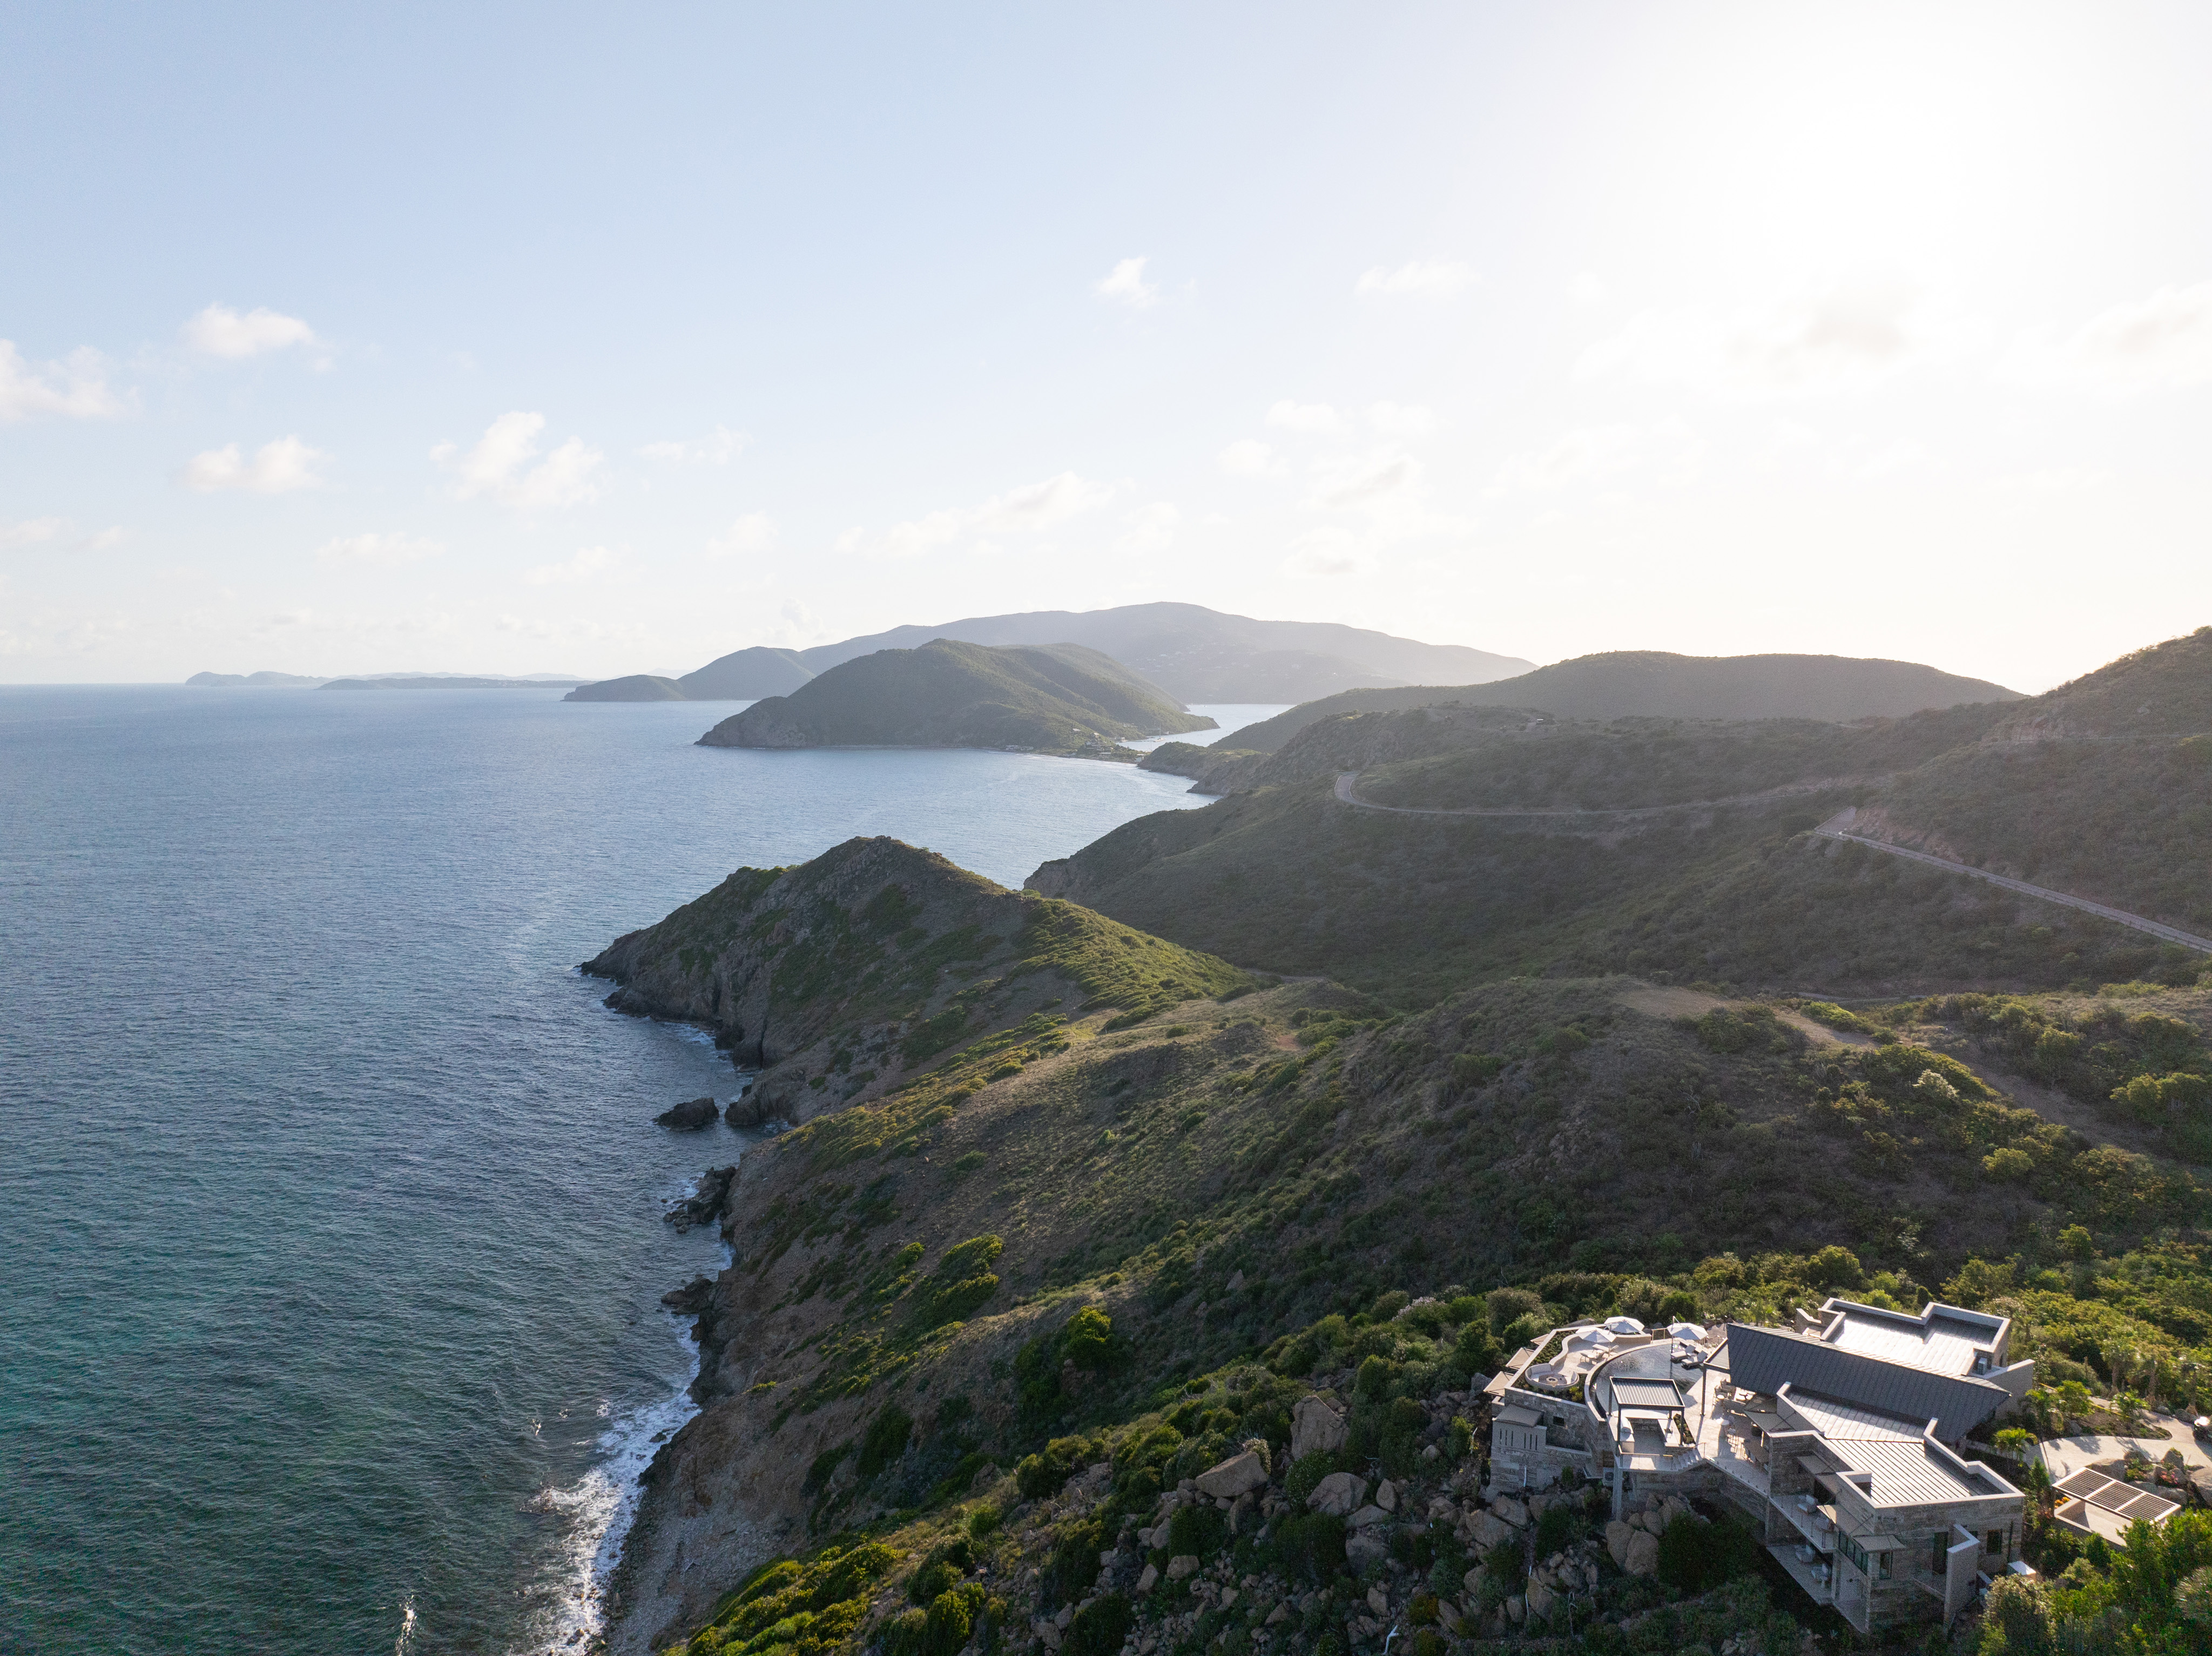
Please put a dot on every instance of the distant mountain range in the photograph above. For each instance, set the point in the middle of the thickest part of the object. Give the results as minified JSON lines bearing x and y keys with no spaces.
{"x":1192,"y":653}
{"x":1060,"y":698}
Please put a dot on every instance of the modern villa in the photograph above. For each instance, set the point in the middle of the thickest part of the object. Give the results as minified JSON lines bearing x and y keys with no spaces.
{"x":1838,"y":1437}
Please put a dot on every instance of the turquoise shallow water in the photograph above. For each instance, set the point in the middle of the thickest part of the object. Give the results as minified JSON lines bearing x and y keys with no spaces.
{"x":329,"y":1251}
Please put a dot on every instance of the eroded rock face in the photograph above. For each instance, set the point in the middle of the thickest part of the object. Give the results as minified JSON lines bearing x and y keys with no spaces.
{"x":1316,"y":1428}
{"x":688,"y":1117}
{"x":1338,"y":1495}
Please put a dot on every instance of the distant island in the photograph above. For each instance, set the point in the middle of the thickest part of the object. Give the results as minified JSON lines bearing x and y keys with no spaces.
{"x":741,"y":675}
{"x":1058,"y":698}
{"x":1190,"y":652}
{"x":383,"y":682}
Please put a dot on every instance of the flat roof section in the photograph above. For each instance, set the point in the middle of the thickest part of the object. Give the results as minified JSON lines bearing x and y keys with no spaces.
{"x":2124,"y":1501}
{"x":1644,"y":1392}
{"x":1913,"y":1474}
{"x":1941,"y":1340}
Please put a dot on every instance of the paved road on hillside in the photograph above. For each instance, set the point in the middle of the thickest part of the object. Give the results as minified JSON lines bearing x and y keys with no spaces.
{"x":1836,"y":827}
{"x":1349,"y":795}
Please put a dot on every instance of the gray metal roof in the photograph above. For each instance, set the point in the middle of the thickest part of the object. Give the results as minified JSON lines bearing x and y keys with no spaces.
{"x":1767,"y":1359}
{"x":1639,"y":1392}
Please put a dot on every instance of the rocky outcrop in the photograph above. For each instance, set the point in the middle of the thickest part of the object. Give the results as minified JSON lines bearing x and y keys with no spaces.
{"x":704,"y":1206}
{"x":691,"y":1299}
{"x":1234,"y":1476}
{"x":750,"y":1108}
{"x":1339,"y":1495}
{"x":688,"y":1117}
{"x":1316,"y":1428}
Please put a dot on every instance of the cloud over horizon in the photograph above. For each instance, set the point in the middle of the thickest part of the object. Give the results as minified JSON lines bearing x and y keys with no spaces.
{"x":75,"y":388}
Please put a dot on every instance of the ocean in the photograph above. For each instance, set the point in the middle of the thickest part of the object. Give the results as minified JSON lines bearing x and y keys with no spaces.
{"x":330,"y":1250}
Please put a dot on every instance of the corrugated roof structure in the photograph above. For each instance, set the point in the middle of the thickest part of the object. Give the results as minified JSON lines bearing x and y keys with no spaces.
{"x":1767,"y":1359}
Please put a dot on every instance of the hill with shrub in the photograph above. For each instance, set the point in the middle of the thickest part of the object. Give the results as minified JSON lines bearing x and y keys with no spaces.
{"x":1655,"y":684}
{"x":982,"y":1322}
{"x":2072,"y":789}
{"x":1059,"y":698}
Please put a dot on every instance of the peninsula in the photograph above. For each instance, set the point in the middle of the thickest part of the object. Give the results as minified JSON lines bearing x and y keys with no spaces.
{"x":1055,"y":698}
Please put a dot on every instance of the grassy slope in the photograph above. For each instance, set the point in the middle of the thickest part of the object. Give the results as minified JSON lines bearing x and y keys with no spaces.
{"x":847,"y":974}
{"x":1050,"y":699}
{"x":2042,"y":789}
{"x":929,"y":1252}
{"x":1651,"y":684}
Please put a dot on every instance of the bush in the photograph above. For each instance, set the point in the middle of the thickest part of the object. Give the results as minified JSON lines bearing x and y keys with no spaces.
{"x":983,"y":1519}
{"x":1202,"y":1531}
{"x":1088,"y":1340}
{"x":886,"y":1441}
{"x":1073,"y":1566}
{"x":1556,"y":1531}
{"x":1309,"y":1546}
{"x":1696,"y":1555}
{"x":1042,"y":1474}
{"x":1100,"y":1627}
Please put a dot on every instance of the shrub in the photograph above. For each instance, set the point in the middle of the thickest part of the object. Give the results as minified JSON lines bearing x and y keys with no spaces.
{"x":1309,"y":1546}
{"x":983,"y":1519}
{"x":1042,"y":1474}
{"x":1100,"y":1627}
{"x":1073,"y":1566}
{"x":1556,"y":1531}
{"x":1505,"y":1305}
{"x":1201,"y":1532}
{"x":1088,"y":1340}
{"x":886,"y":1441}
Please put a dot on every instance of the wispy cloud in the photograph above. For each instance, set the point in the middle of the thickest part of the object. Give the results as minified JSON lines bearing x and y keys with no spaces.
{"x":386,"y":550}
{"x":1425,"y":278}
{"x":74,"y":389}
{"x":755,"y":532}
{"x":1327,"y":554}
{"x":717,"y":449}
{"x":1363,"y":480}
{"x":276,"y":468}
{"x":1249,"y":457}
{"x":587,"y":563}
{"x":1026,"y":510}
{"x":34,"y":531}
{"x":1668,"y":452}
{"x":1401,"y":419}
{"x":499,"y":466}
{"x":219,"y":330}
{"x":1287,"y":415}
{"x":1152,"y":528}
{"x":1125,"y":285}
{"x":2160,"y":342}
{"x":1835,"y":339}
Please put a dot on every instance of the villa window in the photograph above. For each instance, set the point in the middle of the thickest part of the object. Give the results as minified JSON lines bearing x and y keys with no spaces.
{"x":1937,"y":1563}
{"x":1996,"y":1543}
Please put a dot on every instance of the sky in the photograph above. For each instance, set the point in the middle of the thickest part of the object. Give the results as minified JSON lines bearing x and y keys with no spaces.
{"x":597,"y":340}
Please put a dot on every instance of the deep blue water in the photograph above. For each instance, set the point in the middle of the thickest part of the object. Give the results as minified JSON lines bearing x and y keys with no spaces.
{"x":330,"y":1238}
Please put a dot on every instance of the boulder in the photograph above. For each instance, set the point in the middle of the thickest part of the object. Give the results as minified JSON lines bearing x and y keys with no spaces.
{"x":1642,"y":1557}
{"x":1541,"y":1600}
{"x":1339,"y":1494}
{"x":1473,"y":1583}
{"x":1148,"y":1580}
{"x":1515,"y":1610}
{"x":1277,"y":1617}
{"x":701,"y":1207}
{"x":1364,"y":1547}
{"x":690,"y":1299}
{"x":1185,"y":1563}
{"x":1617,"y":1535}
{"x":1541,"y":1504}
{"x":1386,"y":1496}
{"x":1511,"y":1510}
{"x":1233,"y":1477}
{"x":688,"y":1117}
{"x":749,"y":1109}
{"x":1316,"y":1428}
{"x":1378,"y":1601}
{"x":1441,"y":1511}
{"x":1488,"y":1530}
{"x":1366,"y":1515}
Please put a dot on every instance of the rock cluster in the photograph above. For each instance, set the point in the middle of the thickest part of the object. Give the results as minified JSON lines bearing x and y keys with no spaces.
{"x":688,"y":1117}
{"x":704,"y":1205}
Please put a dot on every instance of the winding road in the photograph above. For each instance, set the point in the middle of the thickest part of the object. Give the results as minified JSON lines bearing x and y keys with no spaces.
{"x":1836,"y":827}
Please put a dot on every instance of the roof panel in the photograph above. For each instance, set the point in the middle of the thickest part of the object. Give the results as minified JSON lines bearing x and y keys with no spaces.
{"x":1768,"y":1359}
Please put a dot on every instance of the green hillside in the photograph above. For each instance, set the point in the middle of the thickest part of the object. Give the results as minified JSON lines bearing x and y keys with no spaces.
{"x":1736,"y":890}
{"x":1059,"y":698}
{"x":1653,"y":684}
{"x":1137,"y":1239}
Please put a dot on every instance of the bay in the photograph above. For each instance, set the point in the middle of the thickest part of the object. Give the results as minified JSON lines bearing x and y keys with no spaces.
{"x":329,"y":1197}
